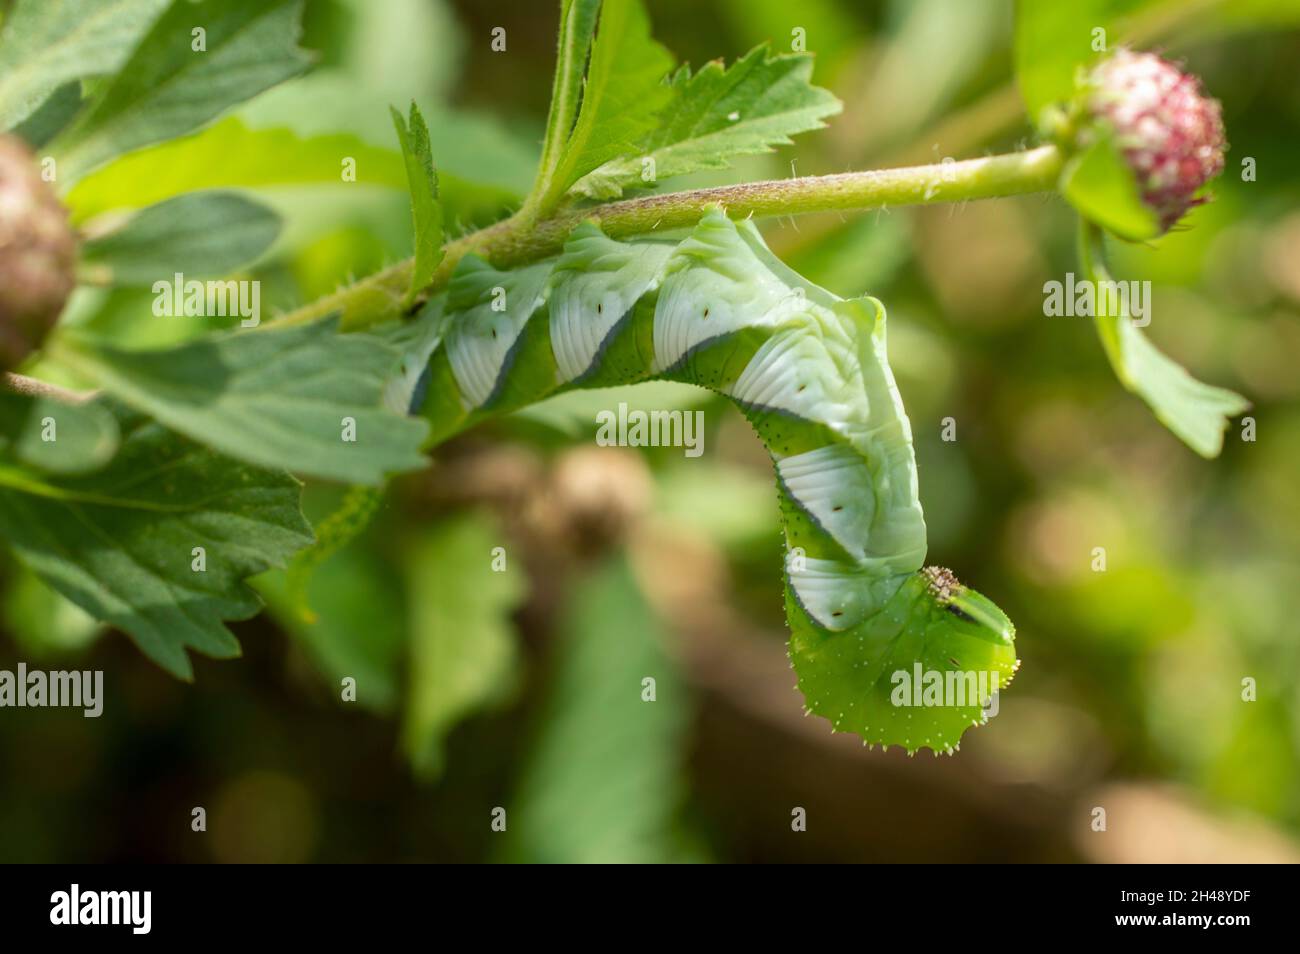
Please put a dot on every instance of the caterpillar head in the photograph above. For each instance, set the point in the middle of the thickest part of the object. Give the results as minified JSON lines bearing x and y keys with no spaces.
{"x":919,"y":672}
{"x":974,"y":614}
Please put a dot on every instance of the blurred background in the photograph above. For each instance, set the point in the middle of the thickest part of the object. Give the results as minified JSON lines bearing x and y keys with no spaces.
{"x":523,"y":689}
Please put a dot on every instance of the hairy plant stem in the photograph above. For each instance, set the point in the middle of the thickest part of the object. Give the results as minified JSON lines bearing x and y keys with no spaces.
{"x":517,"y":241}
{"x":34,"y":387}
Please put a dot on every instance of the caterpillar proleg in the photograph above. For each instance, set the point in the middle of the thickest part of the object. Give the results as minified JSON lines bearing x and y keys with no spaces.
{"x":809,"y":370}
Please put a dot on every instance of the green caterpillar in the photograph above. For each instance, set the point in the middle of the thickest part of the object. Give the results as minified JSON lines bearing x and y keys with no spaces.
{"x":809,"y":371}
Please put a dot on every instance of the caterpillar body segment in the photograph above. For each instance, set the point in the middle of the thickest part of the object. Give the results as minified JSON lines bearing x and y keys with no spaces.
{"x":809,"y":370}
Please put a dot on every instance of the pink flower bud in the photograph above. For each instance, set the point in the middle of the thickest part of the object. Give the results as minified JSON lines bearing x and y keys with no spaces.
{"x":1170,"y":133}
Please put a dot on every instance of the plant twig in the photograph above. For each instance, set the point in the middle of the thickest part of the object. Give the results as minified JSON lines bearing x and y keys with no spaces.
{"x":33,"y":387}
{"x":514,"y":241}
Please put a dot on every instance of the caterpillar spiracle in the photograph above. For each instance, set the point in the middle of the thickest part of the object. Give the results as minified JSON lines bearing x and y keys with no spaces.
{"x":809,"y":371}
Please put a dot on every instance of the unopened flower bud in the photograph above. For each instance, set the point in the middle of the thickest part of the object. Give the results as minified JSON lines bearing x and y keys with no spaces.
{"x":37,"y":254}
{"x":1169,"y":132}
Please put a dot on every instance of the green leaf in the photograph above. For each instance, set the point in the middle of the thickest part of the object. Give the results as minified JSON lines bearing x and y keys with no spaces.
{"x":56,"y":436}
{"x":717,"y":114}
{"x":624,"y":92}
{"x":577,"y":27}
{"x":1197,"y":413}
{"x":121,"y":543}
{"x":463,"y":652}
{"x":426,"y":213}
{"x":200,"y":235}
{"x":229,"y":154}
{"x":1101,"y":186}
{"x":472,"y":145}
{"x":53,"y":115}
{"x":287,"y":398}
{"x":50,"y":43}
{"x":603,"y":783}
{"x":168,"y":88}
